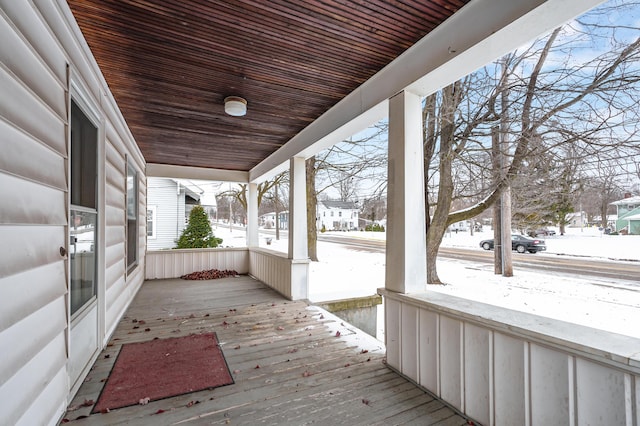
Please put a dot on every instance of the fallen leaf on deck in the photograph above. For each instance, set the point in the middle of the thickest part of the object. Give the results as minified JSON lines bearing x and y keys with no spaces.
{"x":365,"y":401}
{"x":87,"y":403}
{"x":364,"y":351}
{"x":144,"y":401}
{"x":337,"y":333}
{"x":237,"y":347}
{"x":142,"y":322}
{"x":160,"y":411}
{"x":105,"y":411}
{"x":257,"y":366}
{"x":307,"y":374}
{"x":236,"y":371}
{"x":280,"y":328}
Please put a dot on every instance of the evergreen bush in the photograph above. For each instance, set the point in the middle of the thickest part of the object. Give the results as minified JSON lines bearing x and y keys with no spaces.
{"x":198,"y":233}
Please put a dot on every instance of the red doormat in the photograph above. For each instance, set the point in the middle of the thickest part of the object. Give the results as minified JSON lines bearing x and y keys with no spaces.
{"x":164,"y":368}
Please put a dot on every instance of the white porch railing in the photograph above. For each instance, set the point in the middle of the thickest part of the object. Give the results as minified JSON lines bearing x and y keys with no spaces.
{"x":162,"y":264}
{"x":288,"y":277}
{"x":503,"y":367}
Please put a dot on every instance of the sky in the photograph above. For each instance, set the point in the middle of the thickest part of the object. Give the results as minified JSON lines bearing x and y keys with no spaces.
{"x":610,"y":305}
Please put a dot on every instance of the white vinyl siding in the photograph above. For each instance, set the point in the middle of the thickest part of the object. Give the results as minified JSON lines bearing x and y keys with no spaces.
{"x":39,"y":38}
{"x":170,"y":212}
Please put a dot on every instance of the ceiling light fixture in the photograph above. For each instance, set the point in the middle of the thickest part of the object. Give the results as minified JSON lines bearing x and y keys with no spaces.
{"x":235,"y":106}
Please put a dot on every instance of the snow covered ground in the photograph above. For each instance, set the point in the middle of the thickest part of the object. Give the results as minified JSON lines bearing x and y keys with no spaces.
{"x":611,"y":305}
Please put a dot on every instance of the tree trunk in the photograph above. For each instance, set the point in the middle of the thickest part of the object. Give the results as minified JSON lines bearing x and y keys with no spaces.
{"x":312,"y":201}
{"x":505,"y":210}
{"x":507,"y":262}
{"x":496,"y":160}
{"x":439,"y":223}
{"x":277,"y":214}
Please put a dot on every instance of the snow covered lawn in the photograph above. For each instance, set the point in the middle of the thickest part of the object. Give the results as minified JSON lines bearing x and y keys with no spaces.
{"x":604,"y":304}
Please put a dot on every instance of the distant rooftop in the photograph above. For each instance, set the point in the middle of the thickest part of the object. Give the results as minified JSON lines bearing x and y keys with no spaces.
{"x":628,"y":200}
{"x":337,"y":204}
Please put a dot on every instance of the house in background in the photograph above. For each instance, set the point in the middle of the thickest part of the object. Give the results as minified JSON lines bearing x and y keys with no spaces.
{"x":576,"y":220}
{"x":169,"y":203}
{"x":337,"y":215}
{"x":628,"y":215}
{"x":268,"y":220}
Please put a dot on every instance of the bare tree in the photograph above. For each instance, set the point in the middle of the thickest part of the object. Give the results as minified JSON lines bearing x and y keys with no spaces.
{"x":345,"y":167}
{"x":554,"y":104}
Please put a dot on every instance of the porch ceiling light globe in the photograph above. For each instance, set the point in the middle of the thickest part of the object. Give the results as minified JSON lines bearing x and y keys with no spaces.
{"x":235,"y":106}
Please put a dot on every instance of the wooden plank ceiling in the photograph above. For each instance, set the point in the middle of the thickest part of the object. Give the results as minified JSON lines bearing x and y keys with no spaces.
{"x":171,"y":63}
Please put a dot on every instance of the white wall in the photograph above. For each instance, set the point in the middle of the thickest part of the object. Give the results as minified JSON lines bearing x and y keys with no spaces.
{"x":39,"y":38}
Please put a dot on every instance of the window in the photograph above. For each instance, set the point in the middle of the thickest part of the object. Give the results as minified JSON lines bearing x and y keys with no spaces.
{"x":132,"y":216}
{"x":331,"y":213}
{"x":340,"y":214}
{"x":151,"y":222}
{"x":83,"y":212}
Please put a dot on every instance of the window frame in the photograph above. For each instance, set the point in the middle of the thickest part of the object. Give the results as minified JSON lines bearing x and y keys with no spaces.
{"x":131,"y":217}
{"x":154,"y":222}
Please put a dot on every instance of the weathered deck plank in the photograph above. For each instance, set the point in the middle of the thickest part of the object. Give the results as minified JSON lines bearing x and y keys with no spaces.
{"x":289,"y":364}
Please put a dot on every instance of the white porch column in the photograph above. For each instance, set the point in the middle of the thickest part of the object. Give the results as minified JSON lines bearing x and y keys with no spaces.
{"x":252,"y":215}
{"x":406,"y":262}
{"x":298,"y":252}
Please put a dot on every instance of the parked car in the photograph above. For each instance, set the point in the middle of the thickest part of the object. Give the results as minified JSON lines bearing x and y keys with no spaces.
{"x":540,"y":231}
{"x":519,"y":243}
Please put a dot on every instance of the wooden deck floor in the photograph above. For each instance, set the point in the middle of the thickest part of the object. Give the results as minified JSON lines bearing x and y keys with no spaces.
{"x":289,"y":365}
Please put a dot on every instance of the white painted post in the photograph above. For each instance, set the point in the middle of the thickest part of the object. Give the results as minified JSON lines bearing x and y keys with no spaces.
{"x":406,"y":258}
{"x":298,"y":251}
{"x":252,"y":215}
{"x":297,"y":210}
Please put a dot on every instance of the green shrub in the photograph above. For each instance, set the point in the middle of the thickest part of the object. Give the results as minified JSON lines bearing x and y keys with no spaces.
{"x":323,"y":229}
{"x":198,"y":233}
